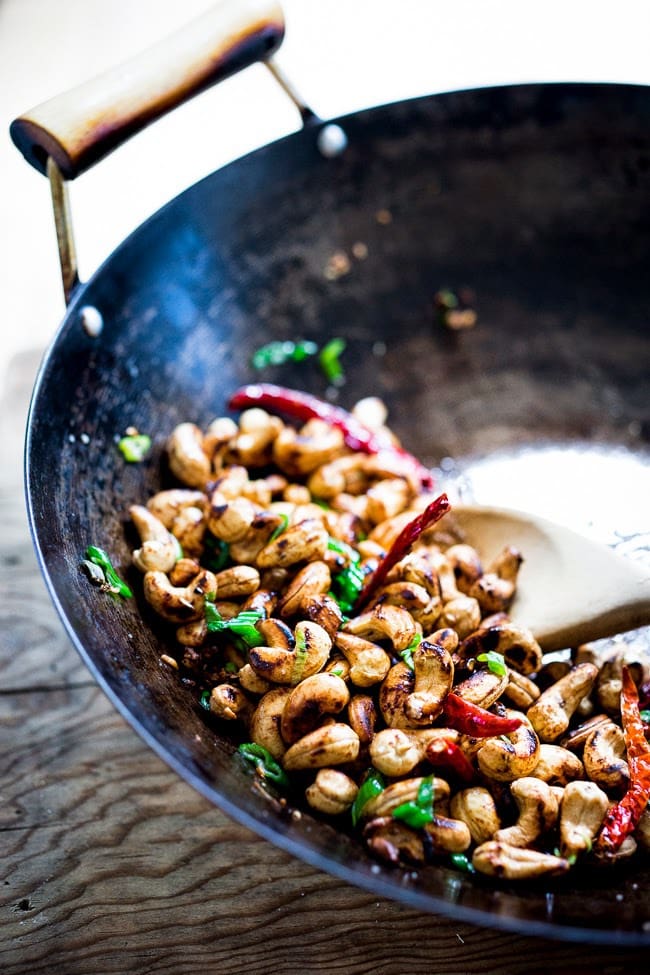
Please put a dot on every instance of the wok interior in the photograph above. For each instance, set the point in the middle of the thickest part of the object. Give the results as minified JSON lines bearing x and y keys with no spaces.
{"x":534,"y":197}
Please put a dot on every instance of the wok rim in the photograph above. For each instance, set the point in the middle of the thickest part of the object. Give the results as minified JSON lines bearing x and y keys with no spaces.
{"x":376,"y":884}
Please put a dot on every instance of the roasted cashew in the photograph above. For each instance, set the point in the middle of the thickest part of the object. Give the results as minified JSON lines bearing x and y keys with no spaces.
{"x":362,"y":717}
{"x":393,"y":695}
{"x":252,"y":444}
{"x":477,"y":808}
{"x":397,"y":793}
{"x":551,"y":713}
{"x":407,"y":595}
{"x":603,"y":758}
{"x":304,"y":656}
{"x":261,"y":601}
{"x":178,"y":605}
{"x":183,"y":571}
{"x":343,"y":475}
{"x":299,"y":452}
{"x":237,"y":581}
{"x":257,"y":536}
{"x":332,"y":744}
{"x":512,"y":756}
{"x":387,"y":531}
{"x":265,"y":721}
{"x":187,"y":459}
{"x":557,"y":765}
{"x":515,"y":863}
{"x":219,"y":432}
{"x":450,"y":835}
{"x":462,"y":613}
{"x":331,"y":792}
{"x":517,"y":644}
{"x":496,"y":587}
{"x":252,"y":682}
{"x":189,"y":527}
{"x":482,"y":687}
{"x":384,"y":623}
{"x":396,"y":751}
{"x":582,"y":812}
{"x":434,"y":676}
{"x":302,"y":542}
{"x":576,"y":738}
{"x":192,"y":634}
{"x":167,"y":505}
{"x":394,"y":841}
{"x":159,"y":549}
{"x":312,"y":698}
{"x":230,"y":519}
{"x":520,"y":690}
{"x":538,"y":812}
{"x":314,"y":579}
{"x":369,"y":663}
{"x":387,"y":498}
{"x":230,"y":703}
{"x":465,"y":564}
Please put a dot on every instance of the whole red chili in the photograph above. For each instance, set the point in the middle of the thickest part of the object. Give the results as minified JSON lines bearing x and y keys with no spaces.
{"x":444,"y":754}
{"x":471,"y":719}
{"x":623,"y":818}
{"x":304,"y":406}
{"x":403,"y":544}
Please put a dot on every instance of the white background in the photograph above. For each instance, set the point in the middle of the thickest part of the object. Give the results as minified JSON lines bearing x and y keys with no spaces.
{"x":341,"y":54}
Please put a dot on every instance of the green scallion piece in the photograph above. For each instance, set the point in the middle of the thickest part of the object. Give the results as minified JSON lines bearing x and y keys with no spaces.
{"x":135,"y":447}
{"x":114,"y":584}
{"x":282,"y":527}
{"x":204,"y":700}
{"x":277,"y":353}
{"x":266,"y":765}
{"x":462,"y":862}
{"x":217,"y":553}
{"x":372,"y":786}
{"x":419,"y":812}
{"x":342,"y":548}
{"x":242,"y":625}
{"x":645,"y":715}
{"x":329,"y":360}
{"x":495,"y":662}
{"x":407,"y":654}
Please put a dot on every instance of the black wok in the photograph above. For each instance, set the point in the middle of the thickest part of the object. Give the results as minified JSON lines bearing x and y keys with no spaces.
{"x":535,"y":197}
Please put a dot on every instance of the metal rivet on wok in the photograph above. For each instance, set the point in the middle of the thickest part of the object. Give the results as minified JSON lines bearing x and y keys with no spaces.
{"x":91,"y":321}
{"x":332,"y":140}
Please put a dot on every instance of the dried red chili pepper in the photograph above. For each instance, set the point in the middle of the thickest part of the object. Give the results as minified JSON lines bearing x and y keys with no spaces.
{"x":402,"y":545}
{"x":304,"y":406}
{"x":623,"y":818}
{"x":471,"y":719}
{"x":448,"y":755}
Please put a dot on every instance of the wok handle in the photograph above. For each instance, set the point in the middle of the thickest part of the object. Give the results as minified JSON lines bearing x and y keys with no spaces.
{"x":78,"y":128}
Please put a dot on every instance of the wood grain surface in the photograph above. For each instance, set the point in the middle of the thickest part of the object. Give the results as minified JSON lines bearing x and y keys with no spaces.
{"x":112,"y":864}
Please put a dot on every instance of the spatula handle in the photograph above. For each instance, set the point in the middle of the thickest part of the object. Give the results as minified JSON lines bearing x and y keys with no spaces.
{"x":81,"y":126}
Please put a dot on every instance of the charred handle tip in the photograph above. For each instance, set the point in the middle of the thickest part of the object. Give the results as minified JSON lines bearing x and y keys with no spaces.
{"x":81,"y":126}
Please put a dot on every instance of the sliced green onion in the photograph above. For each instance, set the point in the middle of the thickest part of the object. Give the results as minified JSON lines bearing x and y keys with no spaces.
{"x":277,"y":353}
{"x":462,"y":862}
{"x":301,"y":658}
{"x":407,"y":654}
{"x":115,"y":585}
{"x":204,"y":700}
{"x":135,"y":447}
{"x":645,"y":715}
{"x":217,"y":553}
{"x":346,"y":586}
{"x":329,"y":360}
{"x":266,"y":765}
{"x":342,"y":548}
{"x":419,"y":812}
{"x":242,"y":625}
{"x":282,"y":527}
{"x":495,"y":662}
{"x":372,"y":786}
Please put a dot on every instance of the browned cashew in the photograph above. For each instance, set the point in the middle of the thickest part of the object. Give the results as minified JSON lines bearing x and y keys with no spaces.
{"x":407,"y":595}
{"x":465,"y":564}
{"x":302,"y":542}
{"x":418,"y":569}
{"x":252,"y":445}
{"x":299,"y":452}
{"x":314,"y":579}
{"x":219,"y":432}
{"x":396,"y":751}
{"x":393,"y":695}
{"x":259,"y":533}
{"x":312,"y":698}
{"x":303,"y":655}
{"x":159,"y":549}
{"x":343,"y":475}
{"x":482,"y":687}
{"x":369,"y":663}
{"x":265,"y":722}
{"x":183,"y":571}
{"x":230,"y":519}
{"x":237,"y":581}
{"x":603,"y":758}
{"x":450,"y":835}
{"x":515,"y":863}
{"x":520,"y":690}
{"x":393,"y":841}
{"x":230,"y":703}
{"x":517,"y":644}
{"x":331,"y":792}
{"x":434,"y":676}
{"x":551,"y":713}
{"x":496,"y":587}
{"x":362,"y":717}
{"x":187,"y":459}
{"x":462,"y":613}
{"x":512,"y":756}
{"x":558,"y":765}
{"x":538,"y":812}
{"x":384,"y":623}
{"x":477,"y":808}
{"x":167,"y":505}
{"x":178,"y":605}
{"x":252,"y":682}
{"x":189,"y":527}
{"x":576,"y":738}
{"x":332,"y":744}
{"x":582,"y":812}
{"x":387,"y":498}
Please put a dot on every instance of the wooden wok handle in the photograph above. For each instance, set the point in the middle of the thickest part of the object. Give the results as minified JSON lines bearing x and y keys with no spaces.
{"x":81,"y":126}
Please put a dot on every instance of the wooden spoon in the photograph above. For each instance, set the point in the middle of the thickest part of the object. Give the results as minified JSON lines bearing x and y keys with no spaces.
{"x":570,"y":590}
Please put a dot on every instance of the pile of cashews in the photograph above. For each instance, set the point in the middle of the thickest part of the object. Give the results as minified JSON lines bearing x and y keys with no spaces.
{"x":347,"y":701}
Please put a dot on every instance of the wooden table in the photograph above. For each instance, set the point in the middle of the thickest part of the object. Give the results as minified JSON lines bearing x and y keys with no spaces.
{"x":110,"y":863}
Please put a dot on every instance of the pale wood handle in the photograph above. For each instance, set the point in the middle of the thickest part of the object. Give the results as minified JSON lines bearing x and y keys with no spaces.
{"x":81,"y":126}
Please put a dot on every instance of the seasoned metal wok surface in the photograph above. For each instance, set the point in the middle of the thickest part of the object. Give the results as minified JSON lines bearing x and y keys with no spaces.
{"x":535,"y":197}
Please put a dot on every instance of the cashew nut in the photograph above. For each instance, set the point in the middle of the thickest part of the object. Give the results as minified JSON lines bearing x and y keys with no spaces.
{"x":384,"y":623}
{"x":265,"y":722}
{"x":517,"y":644}
{"x":332,"y":744}
{"x":398,"y":793}
{"x":237,"y":581}
{"x":450,"y":835}
{"x":299,"y":452}
{"x":514,"y":863}
{"x":394,"y":692}
{"x":603,"y":758}
{"x":477,"y":808}
{"x":300,"y":657}
{"x":187,"y":459}
{"x":551,"y":713}
{"x":302,"y":542}
{"x":159,"y":549}
{"x":557,"y":765}
{"x":482,"y":687}
{"x":167,"y":505}
{"x":230,"y":703}
{"x":314,"y":579}
{"x":434,"y":676}
{"x":582,"y":813}
{"x":538,"y":812}
{"x":512,"y":756}
{"x":312,"y":698}
{"x":331,"y":792}
{"x":178,"y":605}
{"x":189,"y":527}
{"x":369,"y":663}
{"x":230,"y":519}
{"x":396,"y":751}
{"x":387,"y":498}
{"x":362,"y":717}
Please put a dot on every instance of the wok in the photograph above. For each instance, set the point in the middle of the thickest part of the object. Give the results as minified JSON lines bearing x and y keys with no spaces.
{"x":537,"y":197}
